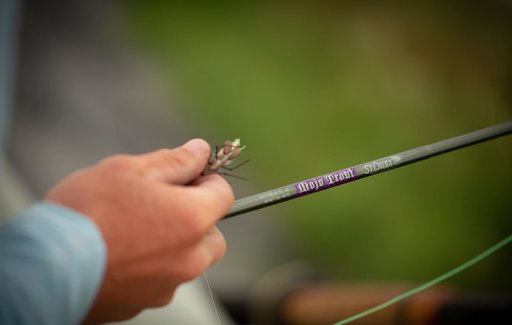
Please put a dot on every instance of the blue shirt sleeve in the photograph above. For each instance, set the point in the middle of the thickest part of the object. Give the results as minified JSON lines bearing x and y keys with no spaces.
{"x":52,"y":261}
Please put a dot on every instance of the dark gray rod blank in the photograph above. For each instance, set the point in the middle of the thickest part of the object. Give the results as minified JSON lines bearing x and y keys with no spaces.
{"x":350,"y":174}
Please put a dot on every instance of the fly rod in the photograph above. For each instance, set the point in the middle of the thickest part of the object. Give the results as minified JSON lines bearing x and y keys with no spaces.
{"x":340,"y":177}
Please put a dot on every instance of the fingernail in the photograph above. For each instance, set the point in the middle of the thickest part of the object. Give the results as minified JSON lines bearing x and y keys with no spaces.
{"x":198,"y":146}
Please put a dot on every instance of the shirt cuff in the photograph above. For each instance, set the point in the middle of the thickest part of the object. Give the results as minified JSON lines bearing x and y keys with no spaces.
{"x":53,"y":260}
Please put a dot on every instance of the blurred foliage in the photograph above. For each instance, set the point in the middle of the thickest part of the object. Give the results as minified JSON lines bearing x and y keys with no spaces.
{"x":316,"y":86}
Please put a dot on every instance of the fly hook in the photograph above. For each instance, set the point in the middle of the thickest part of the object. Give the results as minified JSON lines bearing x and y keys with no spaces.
{"x":224,"y":155}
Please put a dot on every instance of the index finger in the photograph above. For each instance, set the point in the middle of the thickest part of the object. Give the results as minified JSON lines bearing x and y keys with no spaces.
{"x":203,"y":203}
{"x":215,"y":194}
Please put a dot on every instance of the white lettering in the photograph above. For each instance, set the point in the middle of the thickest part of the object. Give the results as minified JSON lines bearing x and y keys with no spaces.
{"x":379,"y":165}
{"x":303,"y":187}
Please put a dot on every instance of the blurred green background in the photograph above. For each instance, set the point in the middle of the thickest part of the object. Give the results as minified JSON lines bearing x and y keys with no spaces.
{"x":316,"y":86}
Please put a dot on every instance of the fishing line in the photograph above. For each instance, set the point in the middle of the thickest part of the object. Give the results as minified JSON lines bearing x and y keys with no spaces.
{"x":211,"y":296}
{"x":367,"y":169}
{"x":430,"y":283}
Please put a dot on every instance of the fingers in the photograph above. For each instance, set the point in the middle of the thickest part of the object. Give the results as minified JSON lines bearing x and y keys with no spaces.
{"x":202,"y":255}
{"x":157,"y":215}
{"x":177,"y":166}
{"x":214,"y":246}
{"x":216,"y":189}
{"x":184,"y":267}
{"x":209,"y":200}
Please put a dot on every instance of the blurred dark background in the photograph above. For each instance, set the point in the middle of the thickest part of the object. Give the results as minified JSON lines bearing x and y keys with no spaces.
{"x":310,"y":87}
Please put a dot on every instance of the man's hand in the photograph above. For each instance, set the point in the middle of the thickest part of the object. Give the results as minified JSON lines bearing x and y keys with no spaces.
{"x":157,"y":216}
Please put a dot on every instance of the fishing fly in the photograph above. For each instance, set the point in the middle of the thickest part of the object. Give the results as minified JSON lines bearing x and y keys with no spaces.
{"x":223,"y":156}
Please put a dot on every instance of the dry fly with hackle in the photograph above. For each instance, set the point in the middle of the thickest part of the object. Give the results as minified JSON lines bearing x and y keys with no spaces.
{"x":223,"y":156}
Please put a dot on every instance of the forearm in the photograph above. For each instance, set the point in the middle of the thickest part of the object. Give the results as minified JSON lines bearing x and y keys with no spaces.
{"x":52,"y":264}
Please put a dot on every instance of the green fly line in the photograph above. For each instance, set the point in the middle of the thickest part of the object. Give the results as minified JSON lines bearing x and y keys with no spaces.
{"x":231,"y":149}
{"x":430,"y":283}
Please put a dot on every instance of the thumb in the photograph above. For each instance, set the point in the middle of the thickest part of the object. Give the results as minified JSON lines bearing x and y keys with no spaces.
{"x":181,"y":165}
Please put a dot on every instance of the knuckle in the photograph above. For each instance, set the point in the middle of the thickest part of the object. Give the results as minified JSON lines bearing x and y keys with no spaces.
{"x":167,"y":163}
{"x":218,"y":198}
{"x":117,"y":163}
{"x":203,"y":257}
{"x":222,"y":247}
{"x":218,"y":250}
{"x":221,"y":200}
{"x":197,"y":223}
{"x":228,"y":198}
{"x":224,"y":191}
{"x":219,"y":244}
{"x":172,"y":159}
{"x":193,"y":267}
{"x":197,"y":220}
